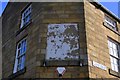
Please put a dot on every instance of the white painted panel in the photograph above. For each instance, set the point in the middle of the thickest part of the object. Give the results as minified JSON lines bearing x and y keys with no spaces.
{"x":96,"y":64}
{"x":62,"y":42}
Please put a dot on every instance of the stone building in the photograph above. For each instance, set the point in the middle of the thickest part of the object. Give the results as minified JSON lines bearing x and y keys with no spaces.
{"x":66,"y":40}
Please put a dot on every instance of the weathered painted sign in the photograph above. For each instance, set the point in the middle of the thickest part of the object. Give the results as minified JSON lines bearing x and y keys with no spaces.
{"x":62,"y":42}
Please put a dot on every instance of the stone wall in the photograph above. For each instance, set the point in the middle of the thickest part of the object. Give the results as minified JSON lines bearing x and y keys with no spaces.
{"x":92,"y":40}
{"x":12,"y":35}
{"x":43,"y":14}
{"x":97,"y":41}
{"x":59,"y":13}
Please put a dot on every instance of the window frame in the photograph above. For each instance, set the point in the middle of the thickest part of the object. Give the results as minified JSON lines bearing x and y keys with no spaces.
{"x":113,"y":56}
{"x":110,"y":22}
{"x":23,"y":47}
{"x":25,"y":23}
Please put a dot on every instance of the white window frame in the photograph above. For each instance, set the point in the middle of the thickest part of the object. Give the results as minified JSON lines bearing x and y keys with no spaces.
{"x":111,"y":22}
{"x":20,"y":65}
{"x":26,"y":15}
{"x":114,"y":55}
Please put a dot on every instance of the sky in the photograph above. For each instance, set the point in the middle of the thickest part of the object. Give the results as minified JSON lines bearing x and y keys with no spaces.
{"x":2,"y":7}
{"x":111,"y":5}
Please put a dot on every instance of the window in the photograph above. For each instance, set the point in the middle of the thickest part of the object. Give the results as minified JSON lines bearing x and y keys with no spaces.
{"x":114,"y":55}
{"x":26,"y":16}
{"x":110,"y":22}
{"x":62,"y":42}
{"x":20,"y":56}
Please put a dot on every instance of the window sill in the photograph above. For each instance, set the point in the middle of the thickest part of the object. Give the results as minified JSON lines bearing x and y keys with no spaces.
{"x":14,"y":75}
{"x":109,"y":27}
{"x":114,"y":73}
{"x":61,"y":63}
{"x":25,"y":26}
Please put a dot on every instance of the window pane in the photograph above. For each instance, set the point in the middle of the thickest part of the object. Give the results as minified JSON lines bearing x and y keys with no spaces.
{"x":110,"y":43}
{"x":116,"y":68}
{"x":27,"y":19}
{"x":111,"y":51}
{"x":115,"y":53}
{"x":23,"y":62}
{"x":24,"y":46}
{"x":114,"y":46}
{"x":20,"y":56}
{"x":114,"y":24}
{"x":19,"y":60}
{"x":19,"y":67}
{"x":112,"y":66}
{"x":20,"y":51}
{"x":115,"y":61}
{"x":111,"y":59}
{"x":29,"y":10}
{"x":110,"y":22}
{"x":26,"y":12}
